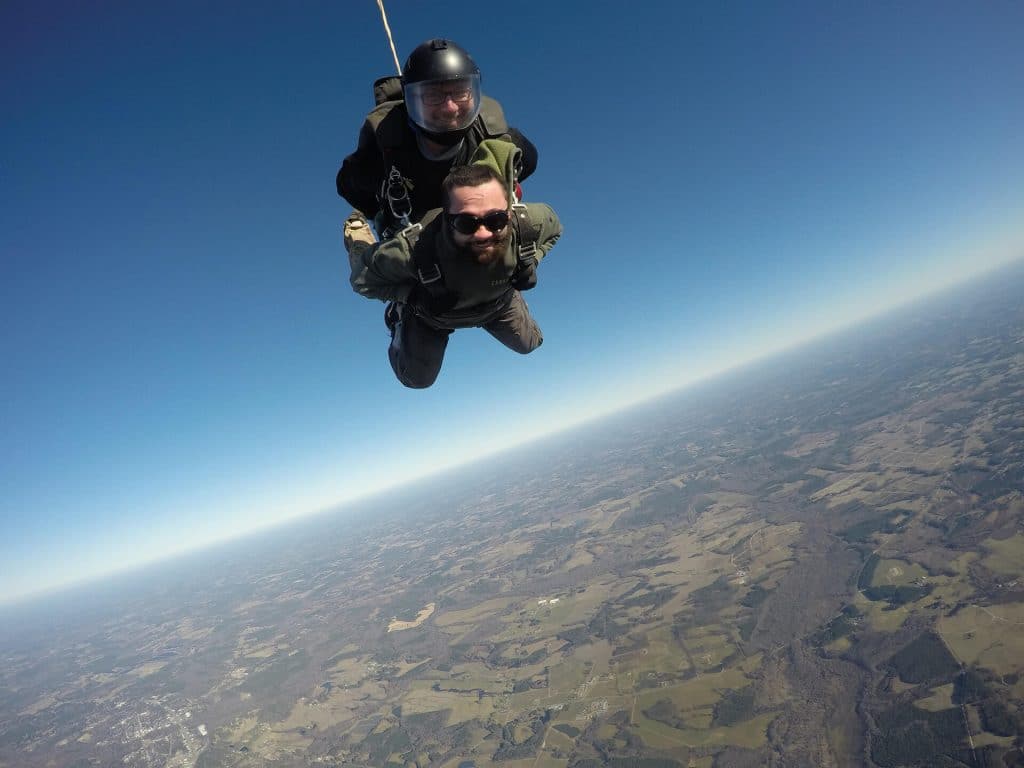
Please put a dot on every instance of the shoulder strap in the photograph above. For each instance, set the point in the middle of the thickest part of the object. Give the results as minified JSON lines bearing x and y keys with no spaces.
{"x":524,"y":276}
{"x":428,"y":270}
{"x":388,"y":121}
{"x":424,"y":256}
{"x":492,"y":116}
{"x":527,"y":235}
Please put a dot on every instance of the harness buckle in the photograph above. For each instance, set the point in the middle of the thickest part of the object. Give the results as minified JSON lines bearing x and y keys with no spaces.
{"x":410,"y":233}
{"x":433,"y":275}
{"x":397,"y":196}
{"x":527,"y":251}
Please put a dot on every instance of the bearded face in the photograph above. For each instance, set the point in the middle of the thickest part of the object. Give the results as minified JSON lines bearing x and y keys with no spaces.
{"x":483,"y":250}
{"x":483,"y":245}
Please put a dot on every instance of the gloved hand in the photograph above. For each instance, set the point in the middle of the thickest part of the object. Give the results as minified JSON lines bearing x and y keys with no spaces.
{"x":358,"y":235}
{"x":525,"y":277}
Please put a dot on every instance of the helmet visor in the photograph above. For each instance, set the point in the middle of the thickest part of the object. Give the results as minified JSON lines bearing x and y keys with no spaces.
{"x":444,"y":106}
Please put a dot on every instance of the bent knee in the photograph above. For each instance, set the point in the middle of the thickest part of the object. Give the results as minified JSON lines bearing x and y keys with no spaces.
{"x":417,"y":379}
{"x":412,"y":384}
{"x":416,"y":371}
{"x":528,"y":345}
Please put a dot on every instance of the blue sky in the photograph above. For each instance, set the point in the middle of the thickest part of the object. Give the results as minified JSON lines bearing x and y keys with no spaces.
{"x":184,"y":359}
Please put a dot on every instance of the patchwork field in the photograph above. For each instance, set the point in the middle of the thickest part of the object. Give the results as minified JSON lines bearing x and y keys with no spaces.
{"x":816,"y":562}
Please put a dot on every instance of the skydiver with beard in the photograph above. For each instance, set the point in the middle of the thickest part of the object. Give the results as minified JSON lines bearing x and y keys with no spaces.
{"x":464,"y":266}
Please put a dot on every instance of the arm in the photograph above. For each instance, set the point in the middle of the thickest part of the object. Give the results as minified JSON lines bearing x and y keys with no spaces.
{"x":529,"y":156}
{"x":361,"y":174}
{"x":383,"y":270}
{"x":550,"y":227}
{"x":544,"y":222}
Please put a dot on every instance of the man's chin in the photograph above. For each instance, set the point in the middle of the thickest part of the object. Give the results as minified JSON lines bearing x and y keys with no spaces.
{"x":486,"y":255}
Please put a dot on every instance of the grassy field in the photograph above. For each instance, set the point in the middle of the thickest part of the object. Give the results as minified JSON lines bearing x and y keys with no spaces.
{"x":569,"y":679}
{"x":424,"y":614}
{"x":991,"y":637}
{"x":839,"y":645}
{"x":348,"y":671}
{"x":985,"y":739}
{"x":941,"y":698}
{"x":484,"y":680}
{"x":847,"y":486}
{"x":697,"y":695}
{"x":957,"y":588}
{"x":710,"y":644}
{"x":1006,"y":556}
{"x":897,"y":573}
{"x":749,"y":734}
{"x":457,"y":620}
{"x":880,"y":616}
{"x":463,"y":706}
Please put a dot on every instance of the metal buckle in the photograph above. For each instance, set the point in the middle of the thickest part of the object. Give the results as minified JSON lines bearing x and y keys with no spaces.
{"x":397,"y":195}
{"x":410,"y":233}
{"x":432,"y":278}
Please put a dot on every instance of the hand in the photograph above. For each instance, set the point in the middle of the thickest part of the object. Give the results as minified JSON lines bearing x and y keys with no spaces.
{"x":358,"y":235}
{"x":525,"y":277}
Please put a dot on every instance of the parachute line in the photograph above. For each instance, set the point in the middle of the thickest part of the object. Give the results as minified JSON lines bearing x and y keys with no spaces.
{"x":391,"y":42}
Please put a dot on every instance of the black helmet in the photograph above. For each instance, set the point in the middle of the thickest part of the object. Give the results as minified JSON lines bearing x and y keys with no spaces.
{"x":438,"y":59}
{"x":441,"y":85}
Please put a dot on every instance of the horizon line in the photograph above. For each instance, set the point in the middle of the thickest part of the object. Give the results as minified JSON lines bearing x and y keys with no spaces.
{"x":22,"y":599}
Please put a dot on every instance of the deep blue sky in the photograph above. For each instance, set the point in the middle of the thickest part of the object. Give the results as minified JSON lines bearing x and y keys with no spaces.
{"x":183,"y":356}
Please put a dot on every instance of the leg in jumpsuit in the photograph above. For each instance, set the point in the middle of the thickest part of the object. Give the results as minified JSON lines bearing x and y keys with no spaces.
{"x":417,"y":349}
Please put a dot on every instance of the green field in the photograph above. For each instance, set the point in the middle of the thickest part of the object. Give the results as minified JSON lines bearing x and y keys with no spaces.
{"x":1006,"y":556}
{"x":897,"y":573}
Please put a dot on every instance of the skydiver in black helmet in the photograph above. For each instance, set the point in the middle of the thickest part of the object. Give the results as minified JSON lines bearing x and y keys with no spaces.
{"x":415,"y":135}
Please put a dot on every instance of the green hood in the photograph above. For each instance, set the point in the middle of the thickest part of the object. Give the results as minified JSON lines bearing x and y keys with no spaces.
{"x":502,"y":156}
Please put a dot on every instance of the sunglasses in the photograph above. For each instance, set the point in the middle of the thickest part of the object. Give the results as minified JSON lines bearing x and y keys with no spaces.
{"x":467,"y":224}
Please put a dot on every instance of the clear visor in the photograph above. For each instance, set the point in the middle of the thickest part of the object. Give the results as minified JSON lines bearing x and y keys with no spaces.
{"x":444,"y":106}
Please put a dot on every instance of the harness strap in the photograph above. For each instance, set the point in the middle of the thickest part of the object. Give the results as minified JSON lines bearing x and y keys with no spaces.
{"x":395,"y":210}
{"x":527,"y":235}
{"x":396,"y":194}
{"x":425,"y":261}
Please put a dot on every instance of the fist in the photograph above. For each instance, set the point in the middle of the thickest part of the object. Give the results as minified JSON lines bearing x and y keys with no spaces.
{"x":358,"y":235}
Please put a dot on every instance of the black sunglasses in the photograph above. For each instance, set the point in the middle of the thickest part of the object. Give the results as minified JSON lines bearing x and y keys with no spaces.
{"x":467,"y":224}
